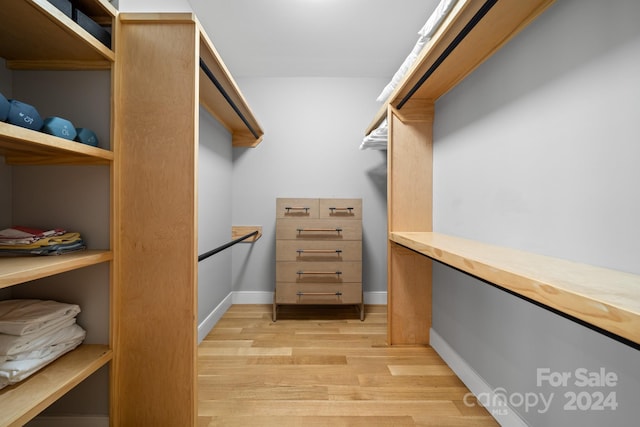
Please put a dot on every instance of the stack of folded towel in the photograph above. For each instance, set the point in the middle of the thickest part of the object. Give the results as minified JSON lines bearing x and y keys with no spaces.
{"x":31,"y":241}
{"x":378,"y":138}
{"x":33,"y":333}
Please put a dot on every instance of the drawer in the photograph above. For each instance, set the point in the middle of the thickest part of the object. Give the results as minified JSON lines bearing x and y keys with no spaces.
{"x":313,"y":250}
{"x":318,"y":229}
{"x":318,"y":293}
{"x":297,"y":208}
{"x":321,"y":272}
{"x":341,"y":208}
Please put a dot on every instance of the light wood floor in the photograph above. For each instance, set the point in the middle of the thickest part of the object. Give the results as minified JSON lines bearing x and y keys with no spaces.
{"x":323,"y":367}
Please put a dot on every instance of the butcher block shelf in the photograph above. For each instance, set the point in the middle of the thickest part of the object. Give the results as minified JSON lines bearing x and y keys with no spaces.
{"x":604,"y":298}
{"x":53,"y":40}
{"x":14,"y":270}
{"x":19,"y":146}
{"x":21,"y":403}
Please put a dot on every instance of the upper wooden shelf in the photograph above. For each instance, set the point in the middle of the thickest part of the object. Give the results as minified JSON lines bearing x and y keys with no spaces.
{"x":23,"y":401}
{"x":19,"y":145}
{"x":223,"y":99}
{"x":472,"y":32}
{"x":34,"y":34}
{"x":607,"y":299}
{"x":19,"y":269}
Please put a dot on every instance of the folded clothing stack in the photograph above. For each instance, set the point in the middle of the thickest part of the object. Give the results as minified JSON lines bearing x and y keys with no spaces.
{"x":378,"y":138}
{"x":33,"y":333}
{"x":19,"y":240}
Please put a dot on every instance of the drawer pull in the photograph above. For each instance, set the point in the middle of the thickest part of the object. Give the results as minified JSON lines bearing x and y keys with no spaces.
{"x":337,"y":294}
{"x":348,"y":209}
{"x":296,"y":208}
{"x":334,"y":230}
{"x":319,"y":251}
{"x":300,"y":273}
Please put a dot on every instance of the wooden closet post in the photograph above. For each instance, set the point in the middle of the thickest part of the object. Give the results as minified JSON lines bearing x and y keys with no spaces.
{"x":409,"y":195}
{"x":157,"y":114}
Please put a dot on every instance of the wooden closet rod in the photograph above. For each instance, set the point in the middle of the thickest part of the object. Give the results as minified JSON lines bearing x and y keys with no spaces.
{"x":226,"y":96}
{"x":226,"y":245}
{"x":486,"y":7}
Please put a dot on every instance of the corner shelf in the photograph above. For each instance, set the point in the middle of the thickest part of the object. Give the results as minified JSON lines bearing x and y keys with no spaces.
{"x":607,"y":299}
{"x":53,"y":41}
{"x":22,"y":402}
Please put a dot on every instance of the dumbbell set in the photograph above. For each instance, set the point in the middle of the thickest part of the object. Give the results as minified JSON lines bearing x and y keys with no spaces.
{"x":25,"y":115}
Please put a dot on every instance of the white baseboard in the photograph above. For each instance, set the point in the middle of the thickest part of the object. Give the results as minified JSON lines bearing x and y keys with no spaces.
{"x":69,"y":422}
{"x":253,"y":297}
{"x":375,"y":298}
{"x":210,"y":321}
{"x":505,"y":415}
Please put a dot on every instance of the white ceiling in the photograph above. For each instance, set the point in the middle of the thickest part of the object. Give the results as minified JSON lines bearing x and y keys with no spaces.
{"x":320,"y":38}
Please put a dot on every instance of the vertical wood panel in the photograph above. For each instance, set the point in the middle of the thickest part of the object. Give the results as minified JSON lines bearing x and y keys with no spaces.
{"x":156,"y":104}
{"x":410,"y":161}
{"x":410,"y":195}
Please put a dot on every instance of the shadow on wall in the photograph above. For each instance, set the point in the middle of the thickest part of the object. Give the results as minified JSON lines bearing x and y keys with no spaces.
{"x":378,"y":175}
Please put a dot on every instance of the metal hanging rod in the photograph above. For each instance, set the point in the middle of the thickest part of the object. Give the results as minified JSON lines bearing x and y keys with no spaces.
{"x":226,"y":245}
{"x":226,"y":96}
{"x":486,"y":7}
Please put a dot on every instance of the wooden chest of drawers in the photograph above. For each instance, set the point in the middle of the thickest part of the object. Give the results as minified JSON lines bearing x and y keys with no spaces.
{"x":318,"y":252}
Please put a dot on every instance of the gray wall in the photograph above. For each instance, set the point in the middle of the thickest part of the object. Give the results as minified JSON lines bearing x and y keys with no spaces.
{"x":539,"y":150}
{"x":214,"y":213}
{"x":313,"y":128}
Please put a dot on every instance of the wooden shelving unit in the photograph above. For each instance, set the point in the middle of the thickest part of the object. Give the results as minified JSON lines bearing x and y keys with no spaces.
{"x":34,"y":35}
{"x":474,"y":30}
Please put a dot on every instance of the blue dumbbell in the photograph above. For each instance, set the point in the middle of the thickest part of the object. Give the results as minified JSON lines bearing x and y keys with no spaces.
{"x":24,"y":115}
{"x":57,"y":126}
{"x":86,"y":136}
{"x":4,"y":108}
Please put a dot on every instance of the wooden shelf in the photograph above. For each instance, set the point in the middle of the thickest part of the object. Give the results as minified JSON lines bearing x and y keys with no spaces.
{"x":222,"y":98}
{"x":502,"y":22}
{"x":36,"y":35}
{"x":607,"y":299}
{"x":25,"y":146}
{"x":19,"y":269}
{"x":214,"y":101}
{"x":23,"y":401}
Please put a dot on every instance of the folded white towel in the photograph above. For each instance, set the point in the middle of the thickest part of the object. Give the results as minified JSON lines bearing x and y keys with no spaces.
{"x":26,"y":316}
{"x":14,"y":371}
{"x":48,"y":345}
{"x":377,"y":139}
{"x":11,"y":345}
{"x":439,"y":14}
